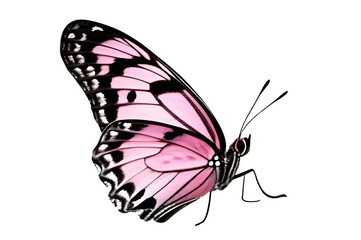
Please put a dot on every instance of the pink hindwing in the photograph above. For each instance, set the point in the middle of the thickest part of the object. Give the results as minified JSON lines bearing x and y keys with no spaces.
{"x":153,"y":167}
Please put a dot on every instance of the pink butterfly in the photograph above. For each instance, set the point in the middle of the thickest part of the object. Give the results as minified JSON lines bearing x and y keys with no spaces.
{"x":161,"y":148}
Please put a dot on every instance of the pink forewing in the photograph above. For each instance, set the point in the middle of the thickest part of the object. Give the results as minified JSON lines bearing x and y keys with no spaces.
{"x":155,"y":69}
{"x":106,"y":51}
{"x":121,"y":47}
{"x":128,"y":83}
{"x":105,"y":60}
{"x":179,"y":106}
{"x":104,"y":70}
{"x":165,"y":69}
{"x":150,"y":112}
{"x":143,"y":74}
{"x":205,"y":117}
{"x":139,"y":49}
{"x":142,"y":97}
{"x":121,"y":40}
{"x":150,"y":143}
{"x":116,"y":62}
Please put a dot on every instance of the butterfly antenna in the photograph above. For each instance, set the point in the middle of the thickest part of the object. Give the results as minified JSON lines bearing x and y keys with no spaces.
{"x":209,"y":204}
{"x":281,"y":96}
{"x":263,"y":88}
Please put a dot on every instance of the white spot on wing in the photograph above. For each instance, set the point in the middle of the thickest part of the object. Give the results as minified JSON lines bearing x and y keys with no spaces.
{"x":77,"y":47}
{"x":71,"y":35}
{"x":102,"y":116}
{"x":90,"y":71}
{"x":102,"y":147}
{"x":79,"y":72}
{"x":71,"y":59}
{"x":113,"y":134}
{"x":101,"y":99}
{"x":94,"y":84}
{"x":108,"y":157}
{"x":79,"y":58}
{"x":83,"y":37}
{"x":127,"y":125}
{"x":96,"y":28}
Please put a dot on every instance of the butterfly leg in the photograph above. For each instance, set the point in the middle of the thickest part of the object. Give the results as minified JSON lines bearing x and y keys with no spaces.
{"x":209,"y":204}
{"x":244,"y":200}
{"x":243,"y":174}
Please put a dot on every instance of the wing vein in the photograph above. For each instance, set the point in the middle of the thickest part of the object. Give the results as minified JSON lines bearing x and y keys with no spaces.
{"x":170,"y":142}
{"x":183,"y":186}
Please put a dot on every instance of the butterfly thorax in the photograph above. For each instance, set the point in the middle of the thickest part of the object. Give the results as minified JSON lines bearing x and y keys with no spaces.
{"x":228,"y":167}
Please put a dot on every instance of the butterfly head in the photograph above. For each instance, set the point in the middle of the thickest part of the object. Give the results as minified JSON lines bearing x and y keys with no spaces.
{"x":241,"y":145}
{"x":237,"y":149}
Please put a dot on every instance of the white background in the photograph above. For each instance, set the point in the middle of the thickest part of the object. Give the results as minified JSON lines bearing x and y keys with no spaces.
{"x":306,"y":145}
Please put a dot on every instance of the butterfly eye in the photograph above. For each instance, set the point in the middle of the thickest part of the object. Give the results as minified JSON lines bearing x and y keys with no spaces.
{"x":243,"y":145}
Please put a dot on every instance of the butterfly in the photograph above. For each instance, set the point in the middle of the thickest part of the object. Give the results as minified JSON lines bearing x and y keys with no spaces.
{"x":160,"y":148}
